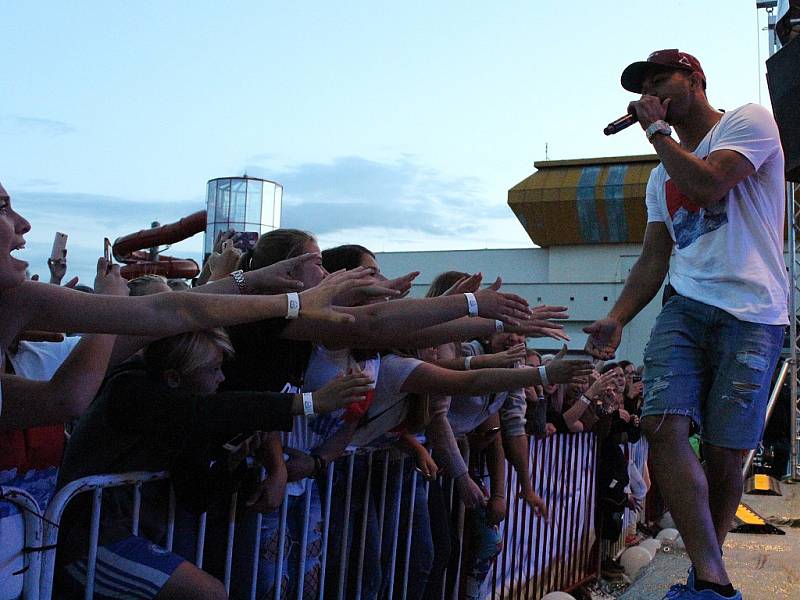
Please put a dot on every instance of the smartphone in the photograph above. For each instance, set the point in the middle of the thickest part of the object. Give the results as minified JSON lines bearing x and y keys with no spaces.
{"x":59,"y":246}
{"x":250,"y":238}
{"x":636,"y":377}
{"x":107,"y":250}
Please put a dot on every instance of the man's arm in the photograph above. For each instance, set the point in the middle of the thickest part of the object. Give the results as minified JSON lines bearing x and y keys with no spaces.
{"x":643,"y":283}
{"x":704,"y":182}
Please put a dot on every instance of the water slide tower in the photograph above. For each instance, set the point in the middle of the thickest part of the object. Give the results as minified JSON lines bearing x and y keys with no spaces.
{"x":243,"y":204}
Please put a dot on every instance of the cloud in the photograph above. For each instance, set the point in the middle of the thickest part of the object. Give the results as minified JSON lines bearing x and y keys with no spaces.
{"x":35,"y":125}
{"x":387,"y":206}
{"x":87,"y":219}
{"x":353,"y":192}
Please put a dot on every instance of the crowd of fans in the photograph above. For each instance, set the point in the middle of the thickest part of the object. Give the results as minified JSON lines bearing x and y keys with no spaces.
{"x":283,"y":357}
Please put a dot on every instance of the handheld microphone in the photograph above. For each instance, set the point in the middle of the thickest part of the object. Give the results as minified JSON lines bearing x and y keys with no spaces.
{"x":623,"y":122}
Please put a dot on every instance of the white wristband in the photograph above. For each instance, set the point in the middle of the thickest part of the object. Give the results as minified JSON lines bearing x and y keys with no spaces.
{"x":467,"y":360}
{"x":472,"y":304}
{"x":292,"y":305}
{"x":543,"y":375}
{"x":585,"y":400}
{"x":308,"y":404}
{"x":499,"y":326}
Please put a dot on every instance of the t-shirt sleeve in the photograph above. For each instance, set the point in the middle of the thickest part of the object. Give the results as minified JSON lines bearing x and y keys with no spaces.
{"x":394,"y":371}
{"x":655,"y":213}
{"x":512,"y":413}
{"x":473,"y":348}
{"x":751,"y":131}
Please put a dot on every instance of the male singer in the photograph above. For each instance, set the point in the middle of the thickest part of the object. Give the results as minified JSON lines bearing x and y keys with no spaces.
{"x":716,"y":201}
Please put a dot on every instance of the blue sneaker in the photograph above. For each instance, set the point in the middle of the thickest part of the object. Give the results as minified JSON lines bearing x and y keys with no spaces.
{"x":681,"y":591}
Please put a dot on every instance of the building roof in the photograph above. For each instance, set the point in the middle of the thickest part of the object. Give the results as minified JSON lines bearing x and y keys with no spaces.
{"x":584,"y":201}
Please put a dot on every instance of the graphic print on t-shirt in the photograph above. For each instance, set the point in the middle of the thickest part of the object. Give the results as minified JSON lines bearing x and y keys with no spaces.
{"x":690,"y":221}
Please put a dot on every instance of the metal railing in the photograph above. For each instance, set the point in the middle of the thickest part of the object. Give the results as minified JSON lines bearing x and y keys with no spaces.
{"x":366,"y":515}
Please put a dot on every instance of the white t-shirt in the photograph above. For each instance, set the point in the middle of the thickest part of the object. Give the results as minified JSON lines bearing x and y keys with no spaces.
{"x":38,"y":360}
{"x":731,"y":255}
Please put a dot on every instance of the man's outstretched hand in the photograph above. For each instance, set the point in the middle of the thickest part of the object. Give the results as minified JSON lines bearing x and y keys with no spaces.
{"x":604,"y":338}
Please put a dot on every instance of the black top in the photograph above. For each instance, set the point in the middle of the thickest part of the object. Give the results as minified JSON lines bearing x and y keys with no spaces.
{"x":265,"y":362}
{"x":138,"y":423}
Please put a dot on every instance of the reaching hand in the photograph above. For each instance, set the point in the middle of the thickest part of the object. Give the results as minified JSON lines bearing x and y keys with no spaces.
{"x":269,"y":494}
{"x":426,"y":465}
{"x":58,"y":268}
{"x":604,"y":338}
{"x":601,"y":385}
{"x":401,"y":285}
{"x":221,"y":264}
{"x":469,"y":284}
{"x":278,"y":277}
{"x":535,"y":502}
{"x":108,"y":280}
{"x":561,"y":370}
{"x":316,"y":303}
{"x":340,"y":392}
{"x":506,"y":358}
{"x":299,"y":465}
{"x":509,"y":308}
{"x":471,"y":495}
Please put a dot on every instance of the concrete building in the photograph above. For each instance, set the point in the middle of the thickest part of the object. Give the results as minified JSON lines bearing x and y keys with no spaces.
{"x":588,"y":218}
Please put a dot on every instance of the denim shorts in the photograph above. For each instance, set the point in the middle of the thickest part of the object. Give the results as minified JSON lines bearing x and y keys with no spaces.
{"x":704,"y":363}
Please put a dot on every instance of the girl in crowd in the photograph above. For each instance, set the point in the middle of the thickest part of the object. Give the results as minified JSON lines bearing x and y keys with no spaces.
{"x":398,"y":377}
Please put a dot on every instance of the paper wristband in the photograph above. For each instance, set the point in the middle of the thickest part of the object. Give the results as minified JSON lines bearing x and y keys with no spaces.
{"x":467,"y":360}
{"x":499,"y":326}
{"x":308,"y":404}
{"x":585,"y":400}
{"x":472,"y":304}
{"x":292,"y":305}
{"x":543,"y":375}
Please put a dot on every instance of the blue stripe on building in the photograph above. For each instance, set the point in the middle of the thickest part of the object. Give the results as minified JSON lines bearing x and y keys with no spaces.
{"x":615,"y":204}
{"x":587,"y":204}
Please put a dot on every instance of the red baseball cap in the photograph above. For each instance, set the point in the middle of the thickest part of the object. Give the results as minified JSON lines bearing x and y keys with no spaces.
{"x":660,"y":60}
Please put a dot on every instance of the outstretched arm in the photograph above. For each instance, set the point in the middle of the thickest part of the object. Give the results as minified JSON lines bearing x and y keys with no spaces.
{"x":643,"y":283}
{"x":52,"y":308}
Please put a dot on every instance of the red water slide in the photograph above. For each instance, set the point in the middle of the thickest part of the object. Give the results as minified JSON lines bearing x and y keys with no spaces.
{"x":133,"y":250}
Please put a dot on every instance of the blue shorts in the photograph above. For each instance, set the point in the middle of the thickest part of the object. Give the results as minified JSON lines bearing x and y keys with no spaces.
{"x":706,"y":364}
{"x":131,"y":568}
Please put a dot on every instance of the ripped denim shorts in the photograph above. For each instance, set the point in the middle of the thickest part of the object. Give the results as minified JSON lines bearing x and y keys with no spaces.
{"x":708,"y":365}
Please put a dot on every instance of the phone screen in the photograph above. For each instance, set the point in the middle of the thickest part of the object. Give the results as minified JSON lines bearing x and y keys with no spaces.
{"x":107,"y":250}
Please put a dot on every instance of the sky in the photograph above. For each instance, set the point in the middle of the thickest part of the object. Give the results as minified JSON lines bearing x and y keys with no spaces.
{"x":396,"y":125}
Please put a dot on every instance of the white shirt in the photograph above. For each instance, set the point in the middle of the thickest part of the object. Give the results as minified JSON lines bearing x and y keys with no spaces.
{"x":730,"y":255}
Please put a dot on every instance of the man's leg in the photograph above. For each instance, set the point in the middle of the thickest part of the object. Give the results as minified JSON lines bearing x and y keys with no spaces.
{"x":725,"y":486}
{"x":683,"y":484}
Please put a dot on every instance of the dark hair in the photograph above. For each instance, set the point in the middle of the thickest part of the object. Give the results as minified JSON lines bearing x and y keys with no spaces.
{"x":608,"y":366}
{"x":347,"y":256}
{"x":443,"y":282}
{"x":624,"y":364}
{"x":275,"y":246}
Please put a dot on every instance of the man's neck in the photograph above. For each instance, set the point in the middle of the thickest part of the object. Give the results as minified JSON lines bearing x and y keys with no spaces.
{"x":694,"y":129}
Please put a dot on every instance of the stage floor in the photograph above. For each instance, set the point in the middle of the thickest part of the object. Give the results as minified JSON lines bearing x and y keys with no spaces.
{"x":763,"y":567}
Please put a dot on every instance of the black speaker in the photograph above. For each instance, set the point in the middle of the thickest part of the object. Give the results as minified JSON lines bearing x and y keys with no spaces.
{"x":783,"y":79}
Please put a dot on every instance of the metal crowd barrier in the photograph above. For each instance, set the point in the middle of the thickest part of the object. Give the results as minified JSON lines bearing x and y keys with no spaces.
{"x":542,"y":556}
{"x":537,"y":556}
{"x":27,"y":556}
